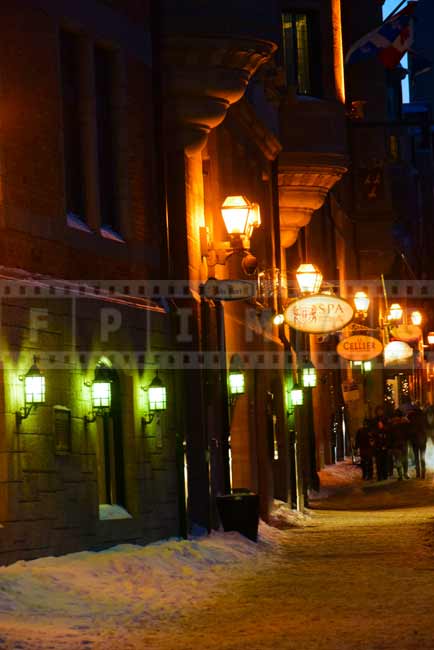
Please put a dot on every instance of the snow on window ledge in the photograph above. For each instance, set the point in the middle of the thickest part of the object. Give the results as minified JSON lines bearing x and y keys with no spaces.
{"x":74,"y":221}
{"x":109,"y":511}
{"x":109,"y":233}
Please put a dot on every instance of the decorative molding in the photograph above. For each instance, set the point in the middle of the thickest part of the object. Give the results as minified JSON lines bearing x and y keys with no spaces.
{"x":304,"y":180}
{"x":202,"y":77}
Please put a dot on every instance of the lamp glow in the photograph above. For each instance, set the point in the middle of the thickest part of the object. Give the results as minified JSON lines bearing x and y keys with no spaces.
{"x":236,"y":383}
{"x":296,"y":395}
{"x":157,"y":395}
{"x":397,"y":352}
{"x":101,"y":395}
{"x":367,"y":366}
{"x":430,"y":338}
{"x":278,"y":319}
{"x":235,"y":212}
{"x":34,"y":392}
{"x":309,"y":376}
{"x":34,"y":386}
{"x":416,"y":317}
{"x":395,"y":312}
{"x":361,"y":302}
{"x":309,"y":278}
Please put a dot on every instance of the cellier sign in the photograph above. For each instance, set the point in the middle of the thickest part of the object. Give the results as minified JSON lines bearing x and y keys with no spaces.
{"x":319,"y":314}
{"x":359,"y":348}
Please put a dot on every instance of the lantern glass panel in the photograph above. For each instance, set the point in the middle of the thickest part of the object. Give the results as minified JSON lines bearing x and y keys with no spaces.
{"x":367,"y":366}
{"x":101,"y":394}
{"x":416,"y":318}
{"x":296,"y":395}
{"x":430,"y":338}
{"x":157,"y":396}
{"x":309,"y":377}
{"x":235,"y":212}
{"x":309,"y":278}
{"x":395,"y":312}
{"x":34,"y":387}
{"x":236,"y":383}
{"x":361,"y":301}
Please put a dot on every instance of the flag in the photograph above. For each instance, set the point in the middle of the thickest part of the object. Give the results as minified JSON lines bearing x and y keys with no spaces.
{"x":389,"y":42}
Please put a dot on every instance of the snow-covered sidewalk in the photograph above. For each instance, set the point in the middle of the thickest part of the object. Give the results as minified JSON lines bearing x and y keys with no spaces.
{"x":336,"y":579}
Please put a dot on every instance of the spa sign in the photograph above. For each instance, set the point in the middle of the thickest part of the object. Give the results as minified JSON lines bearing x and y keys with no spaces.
{"x":359,"y":348}
{"x":319,"y":314}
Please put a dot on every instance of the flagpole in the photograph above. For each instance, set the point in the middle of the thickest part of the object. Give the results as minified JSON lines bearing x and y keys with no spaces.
{"x":395,"y":10}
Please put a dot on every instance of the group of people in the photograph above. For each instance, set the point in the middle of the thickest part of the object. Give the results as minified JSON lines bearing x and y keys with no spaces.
{"x":383,"y":442}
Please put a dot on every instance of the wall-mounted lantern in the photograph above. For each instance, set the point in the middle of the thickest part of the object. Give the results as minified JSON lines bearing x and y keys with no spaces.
{"x":34,"y":391}
{"x":308,"y":375}
{"x":240,"y":217}
{"x":296,"y":395}
{"x":361,"y":303}
{"x":430,"y":338}
{"x":157,"y":399}
{"x":236,"y":383}
{"x":101,"y":393}
{"x":309,"y":278}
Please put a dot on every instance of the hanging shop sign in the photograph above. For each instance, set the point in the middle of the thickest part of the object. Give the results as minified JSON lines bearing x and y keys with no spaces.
{"x":319,"y":314}
{"x":359,"y":348}
{"x":228,"y":289}
{"x":407,"y":333}
{"x":397,"y":353}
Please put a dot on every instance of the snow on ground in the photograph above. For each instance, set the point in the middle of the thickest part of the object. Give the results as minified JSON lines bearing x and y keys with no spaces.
{"x":356,"y":572}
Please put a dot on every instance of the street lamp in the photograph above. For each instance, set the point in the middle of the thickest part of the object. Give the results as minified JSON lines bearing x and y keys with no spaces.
{"x":395,"y":312}
{"x":34,"y":391}
{"x":240,"y":217}
{"x":309,"y":375}
{"x":157,"y":399}
{"x":309,"y":278}
{"x":101,"y":392}
{"x":361,"y":303}
{"x":297,"y":395}
{"x":416,"y":318}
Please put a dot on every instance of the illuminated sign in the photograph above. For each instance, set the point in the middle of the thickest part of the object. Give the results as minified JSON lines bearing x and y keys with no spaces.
{"x":319,"y":314}
{"x":407,"y":333}
{"x":359,"y":348}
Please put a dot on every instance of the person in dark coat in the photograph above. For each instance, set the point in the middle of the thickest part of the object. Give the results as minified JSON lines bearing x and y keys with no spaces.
{"x":417,"y":434}
{"x":380,"y":431}
{"x":399,"y":443}
{"x":365,"y":444}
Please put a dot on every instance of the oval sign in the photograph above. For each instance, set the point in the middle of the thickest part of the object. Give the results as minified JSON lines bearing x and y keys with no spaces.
{"x":359,"y":348}
{"x":407,"y":333}
{"x":319,"y":314}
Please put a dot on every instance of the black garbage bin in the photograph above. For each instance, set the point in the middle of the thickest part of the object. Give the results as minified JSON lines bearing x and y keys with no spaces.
{"x":239,"y":511}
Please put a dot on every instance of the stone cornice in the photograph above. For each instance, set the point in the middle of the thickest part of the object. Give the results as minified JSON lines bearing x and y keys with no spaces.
{"x":304,"y":180}
{"x":202,"y":77}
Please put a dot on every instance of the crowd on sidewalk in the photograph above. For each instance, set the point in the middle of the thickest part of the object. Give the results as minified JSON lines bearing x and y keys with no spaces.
{"x":384,"y":441}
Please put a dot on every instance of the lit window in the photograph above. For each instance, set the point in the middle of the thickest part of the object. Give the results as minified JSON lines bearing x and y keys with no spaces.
{"x":301,"y":64}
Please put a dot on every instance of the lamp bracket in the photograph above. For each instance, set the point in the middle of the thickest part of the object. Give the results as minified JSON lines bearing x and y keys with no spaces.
{"x":24,"y":413}
{"x":147,"y":419}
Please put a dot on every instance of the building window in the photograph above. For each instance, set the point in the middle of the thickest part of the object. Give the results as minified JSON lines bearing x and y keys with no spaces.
{"x":107,"y":137}
{"x":72,"y":128}
{"x":301,"y":52}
